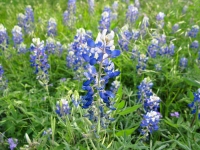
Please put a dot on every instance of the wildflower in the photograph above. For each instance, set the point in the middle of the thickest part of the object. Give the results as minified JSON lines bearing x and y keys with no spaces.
{"x":48,"y":132}
{"x":151,"y":103}
{"x":12,"y":143}
{"x":195,"y":44}
{"x":3,"y":82}
{"x":72,"y":6}
{"x":52,"y":27}
{"x":17,"y":35}
{"x":195,"y":105}
{"x":66,"y":18}
{"x":183,"y":62}
{"x":153,"y":48}
{"x":160,"y":20}
{"x":3,"y":36}
{"x":144,"y":25}
{"x":158,"y":67}
{"x":91,"y":6}
{"x":39,"y":61}
{"x":62,"y":107}
{"x":137,"y":4}
{"x":115,"y":6}
{"x":142,"y":63}
{"x":132,"y":14}
{"x":184,"y":10}
{"x":29,"y":13}
{"x":150,"y":123}
{"x":135,"y":53}
{"x":104,"y":23}
{"x":22,"y":48}
{"x":174,"y":114}
{"x":175,"y":28}
{"x":125,"y":37}
{"x":194,"y":31}
{"x":69,"y":15}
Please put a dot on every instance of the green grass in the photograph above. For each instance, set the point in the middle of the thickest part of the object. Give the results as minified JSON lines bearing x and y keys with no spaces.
{"x":27,"y":107}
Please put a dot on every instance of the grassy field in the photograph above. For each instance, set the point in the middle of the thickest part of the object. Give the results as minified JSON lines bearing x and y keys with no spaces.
{"x":135,"y":85}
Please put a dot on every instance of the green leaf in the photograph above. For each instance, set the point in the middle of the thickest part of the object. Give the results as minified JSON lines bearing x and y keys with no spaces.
{"x":129,"y":110}
{"x":192,"y":82}
{"x":121,"y":105}
{"x":127,"y":131}
{"x":168,"y":121}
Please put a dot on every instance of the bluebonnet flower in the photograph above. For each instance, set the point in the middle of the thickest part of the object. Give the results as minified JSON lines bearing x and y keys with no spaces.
{"x":151,"y":103}
{"x":195,"y":44}
{"x":77,"y":49}
{"x":91,"y":6}
{"x":22,"y":48}
{"x":137,"y":4}
{"x":184,"y":10}
{"x":195,"y":105}
{"x":39,"y":61}
{"x":175,"y":114}
{"x":175,"y":28}
{"x":171,"y":48}
{"x":21,"y":20}
{"x":136,"y":34}
{"x":12,"y":143}
{"x":26,"y":21}
{"x":194,"y":31}
{"x":98,"y":94}
{"x":3,"y":82}
{"x":52,"y":27}
{"x":72,"y":6}
{"x":158,"y":67}
{"x":144,"y":25}
{"x":160,"y":20}
{"x":142,"y":63}
{"x":62,"y":107}
{"x":150,"y":123}
{"x":17,"y":35}
{"x":53,"y":46}
{"x":66,"y":17}
{"x":153,"y":48}
{"x":132,"y":14}
{"x":104,"y":23}
{"x":29,"y":13}
{"x":135,"y":53}
{"x":145,"y":90}
{"x":69,"y":15}
{"x":48,"y":132}
{"x":125,"y":37}
{"x":115,"y":6}
{"x":3,"y":36}
{"x":183,"y":62}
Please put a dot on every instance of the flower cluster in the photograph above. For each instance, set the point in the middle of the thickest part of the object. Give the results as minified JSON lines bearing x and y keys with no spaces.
{"x":114,"y":13}
{"x":3,"y":37}
{"x":132,"y":14}
{"x":158,"y":45}
{"x":69,"y":15}
{"x":183,"y":62}
{"x":195,"y":44}
{"x":144,"y":25}
{"x":137,"y":4}
{"x":91,"y":6}
{"x":62,"y":107}
{"x":193,"y":31}
{"x":175,"y":114}
{"x":26,"y":21}
{"x":3,"y":82}
{"x":125,"y":37}
{"x":53,"y":46}
{"x":160,"y":20}
{"x":98,"y":94}
{"x":77,"y":48}
{"x":17,"y":36}
{"x":104,"y":23}
{"x":195,"y":105}
{"x":175,"y":28}
{"x":151,"y":105}
{"x":12,"y":143}
{"x":52,"y":27}
{"x":39,"y":61}
{"x":142,"y":63}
